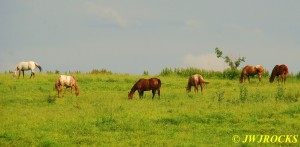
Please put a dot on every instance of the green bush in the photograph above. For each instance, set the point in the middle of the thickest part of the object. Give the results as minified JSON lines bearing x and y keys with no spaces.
{"x":231,"y":74}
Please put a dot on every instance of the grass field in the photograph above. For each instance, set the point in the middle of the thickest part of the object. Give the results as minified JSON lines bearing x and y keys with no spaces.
{"x":32,"y":115}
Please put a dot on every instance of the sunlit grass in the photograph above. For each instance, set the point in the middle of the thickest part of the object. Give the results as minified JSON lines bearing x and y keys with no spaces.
{"x":32,"y":115}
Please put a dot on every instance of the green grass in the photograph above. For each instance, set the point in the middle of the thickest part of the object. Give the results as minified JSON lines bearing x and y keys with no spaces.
{"x":32,"y":115}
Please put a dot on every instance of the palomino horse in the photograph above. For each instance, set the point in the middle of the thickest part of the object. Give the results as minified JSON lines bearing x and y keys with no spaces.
{"x":142,"y":85}
{"x":195,"y":80}
{"x":22,"y":66}
{"x":251,"y":71}
{"x":68,"y":82}
{"x":280,"y":71}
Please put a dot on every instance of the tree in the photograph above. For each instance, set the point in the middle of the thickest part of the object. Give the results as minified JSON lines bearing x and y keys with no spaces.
{"x":233,"y":64}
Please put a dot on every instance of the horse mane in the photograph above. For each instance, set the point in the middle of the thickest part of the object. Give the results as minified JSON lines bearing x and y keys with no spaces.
{"x":274,"y":73}
{"x":134,"y":87}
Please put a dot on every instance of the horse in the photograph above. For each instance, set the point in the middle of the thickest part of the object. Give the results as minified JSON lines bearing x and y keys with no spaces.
{"x":195,"y":80}
{"x":23,"y":66}
{"x":280,"y":71}
{"x":30,"y":65}
{"x":68,"y":82}
{"x":251,"y":71}
{"x":142,"y":85}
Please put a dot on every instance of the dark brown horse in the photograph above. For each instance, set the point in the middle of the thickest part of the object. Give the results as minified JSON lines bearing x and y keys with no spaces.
{"x":142,"y":85}
{"x":195,"y":80}
{"x":280,"y":71}
{"x":251,"y":71}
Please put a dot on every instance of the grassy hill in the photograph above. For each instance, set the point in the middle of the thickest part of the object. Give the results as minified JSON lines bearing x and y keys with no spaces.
{"x":32,"y":115}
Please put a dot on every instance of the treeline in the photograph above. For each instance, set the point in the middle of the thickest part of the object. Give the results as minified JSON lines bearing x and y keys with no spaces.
{"x":183,"y":72}
{"x":226,"y":74}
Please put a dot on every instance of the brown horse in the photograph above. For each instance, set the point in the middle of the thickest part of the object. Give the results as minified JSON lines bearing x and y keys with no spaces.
{"x":251,"y":71}
{"x":142,"y":85}
{"x":68,"y":82}
{"x":280,"y":71}
{"x":195,"y":80}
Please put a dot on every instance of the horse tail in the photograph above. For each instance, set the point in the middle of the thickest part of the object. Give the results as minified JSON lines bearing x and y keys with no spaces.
{"x":159,"y":83}
{"x":273,"y":74}
{"x":202,"y":80}
{"x":40,"y":68}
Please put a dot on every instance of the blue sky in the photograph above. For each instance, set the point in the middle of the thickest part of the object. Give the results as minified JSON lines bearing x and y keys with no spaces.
{"x":131,"y":36}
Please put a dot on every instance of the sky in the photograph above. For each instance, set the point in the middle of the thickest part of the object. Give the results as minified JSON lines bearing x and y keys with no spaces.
{"x":130,"y":36}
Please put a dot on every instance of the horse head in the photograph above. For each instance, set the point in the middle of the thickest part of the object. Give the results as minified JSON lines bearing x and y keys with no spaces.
{"x":130,"y":95}
{"x":15,"y":72}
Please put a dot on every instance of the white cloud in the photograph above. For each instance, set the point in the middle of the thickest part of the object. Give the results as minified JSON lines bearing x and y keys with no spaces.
{"x":106,"y":14}
{"x":206,"y":61}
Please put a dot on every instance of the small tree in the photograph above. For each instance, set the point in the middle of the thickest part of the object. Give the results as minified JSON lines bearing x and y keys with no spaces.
{"x":233,"y":64}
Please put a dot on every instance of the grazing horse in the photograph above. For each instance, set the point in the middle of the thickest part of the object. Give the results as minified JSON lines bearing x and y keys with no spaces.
{"x":251,"y":71}
{"x":142,"y":85}
{"x":280,"y":71}
{"x":22,"y":66}
{"x":195,"y":80}
{"x":68,"y":82}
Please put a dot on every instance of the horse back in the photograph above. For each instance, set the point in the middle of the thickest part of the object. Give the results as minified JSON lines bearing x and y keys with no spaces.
{"x":283,"y":69}
{"x":67,"y":80}
{"x":148,"y":84}
{"x":154,"y":83}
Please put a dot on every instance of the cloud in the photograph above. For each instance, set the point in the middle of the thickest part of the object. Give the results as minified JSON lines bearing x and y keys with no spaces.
{"x":106,"y":14}
{"x":206,"y":61}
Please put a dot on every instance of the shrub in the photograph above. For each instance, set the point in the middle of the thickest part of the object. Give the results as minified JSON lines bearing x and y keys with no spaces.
{"x":231,"y":74}
{"x":186,"y":72}
{"x":102,"y":71}
{"x":298,"y":75}
{"x":146,"y":73}
{"x":166,"y":72}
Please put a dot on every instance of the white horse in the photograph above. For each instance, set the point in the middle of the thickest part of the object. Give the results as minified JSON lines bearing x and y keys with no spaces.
{"x":68,"y":82}
{"x":22,"y":66}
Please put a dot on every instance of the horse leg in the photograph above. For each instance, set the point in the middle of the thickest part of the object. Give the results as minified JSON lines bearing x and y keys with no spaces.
{"x":248,"y":79}
{"x":62,"y":87}
{"x":201,"y":85}
{"x":196,"y":88}
{"x":19,"y":74}
{"x":23,"y":73}
{"x":260,"y":78}
{"x":158,"y":92}
{"x":58,"y":90}
{"x":153,"y":93}
{"x":71,"y":89}
{"x":140,"y":94}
